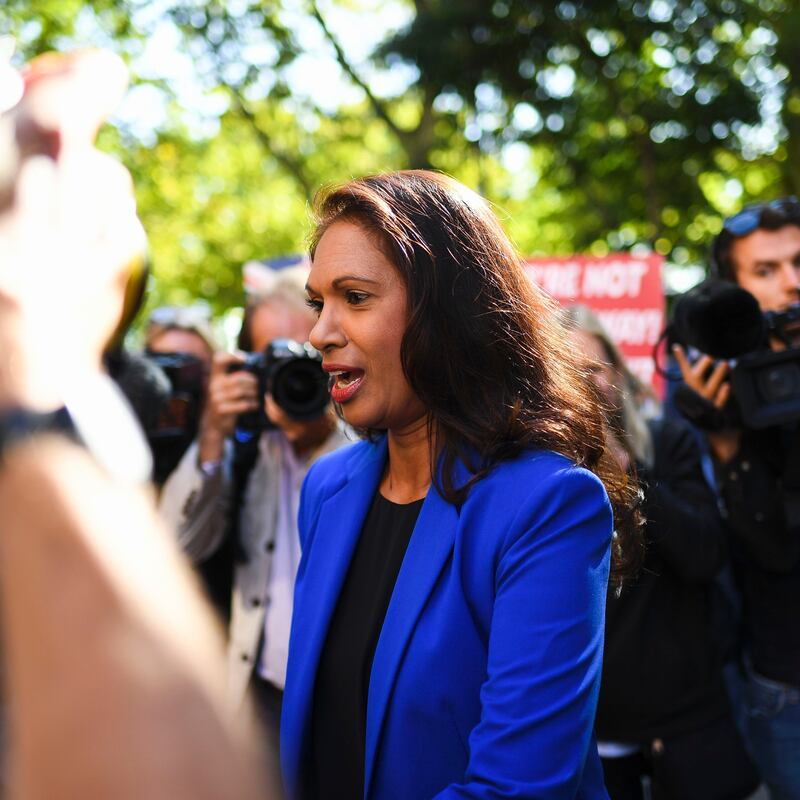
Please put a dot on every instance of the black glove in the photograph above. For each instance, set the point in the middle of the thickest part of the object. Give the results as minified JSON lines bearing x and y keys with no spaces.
{"x":703,"y":413}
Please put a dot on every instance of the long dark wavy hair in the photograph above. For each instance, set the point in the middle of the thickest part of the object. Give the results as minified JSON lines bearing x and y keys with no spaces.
{"x":483,"y":348}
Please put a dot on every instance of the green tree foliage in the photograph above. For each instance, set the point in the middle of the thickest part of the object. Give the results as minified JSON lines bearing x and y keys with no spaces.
{"x":591,"y":124}
{"x":644,"y":110}
{"x":218,"y":188}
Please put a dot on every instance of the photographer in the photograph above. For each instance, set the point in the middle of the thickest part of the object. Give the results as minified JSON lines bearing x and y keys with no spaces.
{"x":179,"y":341}
{"x":241,"y":497}
{"x":181,"y":329}
{"x":758,"y":474}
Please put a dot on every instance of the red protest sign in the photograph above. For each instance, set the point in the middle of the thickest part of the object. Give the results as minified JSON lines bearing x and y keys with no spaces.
{"x":625,"y":291}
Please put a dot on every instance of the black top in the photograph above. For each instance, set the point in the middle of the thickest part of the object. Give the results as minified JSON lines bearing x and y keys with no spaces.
{"x":766,"y":548}
{"x":337,"y":749}
{"x":661,"y":670}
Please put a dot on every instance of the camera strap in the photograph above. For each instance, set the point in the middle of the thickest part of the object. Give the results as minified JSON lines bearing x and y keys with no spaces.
{"x":245,"y":455}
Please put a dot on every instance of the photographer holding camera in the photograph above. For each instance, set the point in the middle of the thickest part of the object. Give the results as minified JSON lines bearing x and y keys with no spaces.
{"x":749,"y":414}
{"x":237,"y":487}
{"x":179,"y":341}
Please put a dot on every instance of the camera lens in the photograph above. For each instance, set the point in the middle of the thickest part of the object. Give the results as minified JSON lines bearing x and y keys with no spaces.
{"x":300,"y":387}
{"x":780,"y":383}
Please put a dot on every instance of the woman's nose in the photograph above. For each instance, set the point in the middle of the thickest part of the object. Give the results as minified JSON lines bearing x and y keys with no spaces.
{"x":327,"y":332}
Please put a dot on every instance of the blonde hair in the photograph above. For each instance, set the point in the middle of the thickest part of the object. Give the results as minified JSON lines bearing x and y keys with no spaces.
{"x":285,"y":287}
{"x":194,"y":319}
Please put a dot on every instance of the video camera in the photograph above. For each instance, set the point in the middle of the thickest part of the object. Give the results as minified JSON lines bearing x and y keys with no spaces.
{"x":292,"y":373}
{"x":724,"y":321}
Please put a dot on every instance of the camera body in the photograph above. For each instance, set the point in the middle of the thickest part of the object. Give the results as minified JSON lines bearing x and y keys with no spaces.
{"x":292,"y":373}
{"x":724,"y":321}
{"x":766,"y":383}
{"x":179,"y":419}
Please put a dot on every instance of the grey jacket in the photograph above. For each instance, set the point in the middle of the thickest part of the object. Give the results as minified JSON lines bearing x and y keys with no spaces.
{"x":196,"y":505}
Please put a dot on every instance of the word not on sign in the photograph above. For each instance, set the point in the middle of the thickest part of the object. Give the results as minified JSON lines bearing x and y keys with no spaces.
{"x":625,"y":291}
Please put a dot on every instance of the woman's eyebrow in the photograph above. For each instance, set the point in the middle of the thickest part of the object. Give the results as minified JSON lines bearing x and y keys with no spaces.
{"x":352,"y":278}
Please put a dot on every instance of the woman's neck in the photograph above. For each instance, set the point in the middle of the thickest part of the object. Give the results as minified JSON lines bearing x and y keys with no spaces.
{"x":408,"y":471}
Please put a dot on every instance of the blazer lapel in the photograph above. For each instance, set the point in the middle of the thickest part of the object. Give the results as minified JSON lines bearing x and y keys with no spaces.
{"x":428,"y":550}
{"x":333,"y":548}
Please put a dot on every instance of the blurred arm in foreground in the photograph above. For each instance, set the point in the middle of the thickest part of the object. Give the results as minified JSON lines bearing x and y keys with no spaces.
{"x":113,"y":666}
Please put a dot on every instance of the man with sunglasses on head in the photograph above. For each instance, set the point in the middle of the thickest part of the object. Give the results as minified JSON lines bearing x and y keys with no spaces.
{"x":757,"y":471}
{"x":180,"y":341}
{"x":181,"y":329}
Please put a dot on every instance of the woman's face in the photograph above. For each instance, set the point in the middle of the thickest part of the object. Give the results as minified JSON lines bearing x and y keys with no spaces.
{"x":361,"y":304}
{"x":604,"y":376}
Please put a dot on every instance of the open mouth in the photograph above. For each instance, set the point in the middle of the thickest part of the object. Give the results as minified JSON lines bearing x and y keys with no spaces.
{"x":345,"y":383}
{"x":343,"y":378}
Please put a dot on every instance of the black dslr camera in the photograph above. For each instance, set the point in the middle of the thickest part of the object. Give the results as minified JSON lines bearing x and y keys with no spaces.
{"x":723,"y":320}
{"x":179,"y":418}
{"x":292,"y":373}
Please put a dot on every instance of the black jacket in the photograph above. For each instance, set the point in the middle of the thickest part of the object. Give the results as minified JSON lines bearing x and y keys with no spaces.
{"x":761,"y":491}
{"x":662,"y":668}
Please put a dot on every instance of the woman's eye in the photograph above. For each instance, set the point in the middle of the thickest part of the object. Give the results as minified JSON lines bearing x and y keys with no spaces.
{"x":314,"y":305}
{"x":355,"y":298}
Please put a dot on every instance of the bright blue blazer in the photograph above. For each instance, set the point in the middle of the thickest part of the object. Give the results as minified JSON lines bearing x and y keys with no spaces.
{"x":486,"y":673}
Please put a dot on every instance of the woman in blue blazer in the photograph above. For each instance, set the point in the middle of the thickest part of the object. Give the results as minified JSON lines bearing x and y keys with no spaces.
{"x":448,"y":623}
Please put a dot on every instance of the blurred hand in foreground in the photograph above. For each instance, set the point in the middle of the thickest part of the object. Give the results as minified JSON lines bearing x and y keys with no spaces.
{"x":69,"y":234}
{"x":113,"y":666}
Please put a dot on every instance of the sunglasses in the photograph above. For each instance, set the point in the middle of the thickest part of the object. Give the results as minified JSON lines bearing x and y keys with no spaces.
{"x":181,"y":316}
{"x":749,"y":219}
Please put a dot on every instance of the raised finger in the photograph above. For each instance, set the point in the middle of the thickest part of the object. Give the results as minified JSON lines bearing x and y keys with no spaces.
{"x":716,"y":378}
{"x":722,"y":395}
{"x":238,"y":381}
{"x":236,"y":407}
{"x":701,"y":367}
{"x":222,"y":362}
{"x":683,"y":361}
{"x":74,"y":92}
{"x":233,"y":391}
{"x":693,"y":374}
